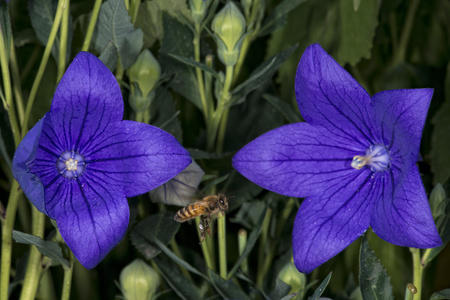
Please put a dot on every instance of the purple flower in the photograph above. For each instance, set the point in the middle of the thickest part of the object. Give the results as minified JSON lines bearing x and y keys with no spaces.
{"x":80,"y":161}
{"x":353,"y":159}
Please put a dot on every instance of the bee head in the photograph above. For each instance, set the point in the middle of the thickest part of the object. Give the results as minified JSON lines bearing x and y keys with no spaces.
{"x":223,"y":202}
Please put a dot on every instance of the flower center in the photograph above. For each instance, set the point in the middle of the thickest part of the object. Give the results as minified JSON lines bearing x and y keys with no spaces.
{"x":377,"y":157}
{"x":71,"y":164}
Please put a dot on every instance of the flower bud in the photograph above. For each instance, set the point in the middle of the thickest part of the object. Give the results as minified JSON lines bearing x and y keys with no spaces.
{"x":139,"y":281}
{"x":145,"y":72}
{"x":247,"y":4}
{"x":229,"y":28}
{"x":290,"y":275}
{"x":199,"y":9}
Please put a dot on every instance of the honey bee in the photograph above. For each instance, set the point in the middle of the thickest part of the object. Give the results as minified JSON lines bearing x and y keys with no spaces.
{"x":206,"y":208}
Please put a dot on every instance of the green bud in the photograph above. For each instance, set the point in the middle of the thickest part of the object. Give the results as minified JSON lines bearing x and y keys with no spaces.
{"x":229,"y":28}
{"x":247,"y":4}
{"x":290,"y":275}
{"x":144,"y":73}
{"x":139,"y":281}
{"x":199,"y":9}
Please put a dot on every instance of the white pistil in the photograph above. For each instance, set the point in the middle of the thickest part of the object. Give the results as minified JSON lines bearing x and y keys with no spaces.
{"x":71,"y":164}
{"x":377,"y":157}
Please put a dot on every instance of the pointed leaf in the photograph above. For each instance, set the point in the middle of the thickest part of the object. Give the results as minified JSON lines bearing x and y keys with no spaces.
{"x":183,"y":287}
{"x":281,"y":290}
{"x":47,"y":248}
{"x":289,"y":112}
{"x":160,"y":226}
{"x":114,"y":24}
{"x":373,"y":279}
{"x":193,"y":63}
{"x":260,"y":75}
{"x":277,"y":18}
{"x":227,"y":289}
{"x":318,"y":292}
{"x":162,"y":112}
{"x":444,"y":294}
{"x":5,"y":26}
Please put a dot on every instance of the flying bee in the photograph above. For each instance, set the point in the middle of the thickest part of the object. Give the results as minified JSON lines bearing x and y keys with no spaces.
{"x":206,"y":208}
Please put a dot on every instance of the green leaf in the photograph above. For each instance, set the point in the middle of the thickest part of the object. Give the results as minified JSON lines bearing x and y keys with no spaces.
{"x":251,"y":241}
{"x":227,"y":289}
{"x":109,"y":56}
{"x":183,"y":287}
{"x":193,"y":63}
{"x":357,"y":31}
{"x":42,"y":13}
{"x":277,"y":18}
{"x":215,"y":182}
{"x":160,"y":226}
{"x":178,"y":260}
{"x":162,"y":111}
{"x":177,"y":40}
{"x":290,"y":113}
{"x":5,"y":26}
{"x":440,"y":143}
{"x":373,"y":279}
{"x":114,"y":24}
{"x":249,"y":213}
{"x":444,"y":294}
{"x":436,"y":197}
{"x":201,"y":154}
{"x":47,"y":248}
{"x":260,"y":75}
{"x":318,"y":292}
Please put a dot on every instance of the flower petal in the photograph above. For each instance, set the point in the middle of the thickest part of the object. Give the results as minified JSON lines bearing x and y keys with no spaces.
{"x":402,"y":215}
{"x":91,"y":217}
{"x":402,"y":115}
{"x":87,"y":99}
{"x":23,"y":159}
{"x":327,"y":223}
{"x":296,"y":160}
{"x":136,"y":156}
{"x":327,"y":95}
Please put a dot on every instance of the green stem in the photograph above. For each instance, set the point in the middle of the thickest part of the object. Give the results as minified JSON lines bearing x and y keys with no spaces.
{"x":91,"y":27}
{"x":201,"y":85}
{"x":406,"y":32}
{"x":16,"y":83}
{"x":34,"y":269}
{"x":8,"y":224}
{"x":63,"y":45}
{"x":134,"y":9}
{"x":177,"y":251}
{"x":242,"y":242}
{"x":410,"y":291}
{"x":45,"y":57}
{"x":262,"y":248}
{"x":7,"y":87}
{"x":205,"y":249}
{"x":67,"y":283}
{"x":222,"y":130}
{"x":418,"y":272}
{"x":222,"y":235}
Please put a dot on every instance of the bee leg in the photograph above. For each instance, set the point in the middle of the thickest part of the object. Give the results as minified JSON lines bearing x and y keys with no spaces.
{"x":202,"y":226}
{"x":207,"y":222}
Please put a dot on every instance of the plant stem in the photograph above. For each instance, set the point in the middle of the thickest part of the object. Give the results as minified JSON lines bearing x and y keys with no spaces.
{"x":9,"y":218}
{"x":201,"y":85}
{"x":34,"y":269}
{"x":262,"y":248}
{"x":67,"y":283}
{"x":222,"y":235}
{"x":7,"y":87}
{"x":91,"y":27}
{"x":242,"y":242}
{"x":45,"y":56}
{"x":205,"y":249}
{"x":16,"y":82}
{"x":134,"y":9}
{"x":177,"y":251}
{"x":418,"y":272}
{"x":63,"y":45}
{"x":406,"y":32}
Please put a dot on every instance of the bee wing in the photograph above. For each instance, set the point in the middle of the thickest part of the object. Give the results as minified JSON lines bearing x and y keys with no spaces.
{"x":180,"y":189}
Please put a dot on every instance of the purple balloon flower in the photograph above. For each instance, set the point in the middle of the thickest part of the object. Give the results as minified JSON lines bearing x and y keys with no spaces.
{"x":353,"y":159}
{"x":80,"y":161}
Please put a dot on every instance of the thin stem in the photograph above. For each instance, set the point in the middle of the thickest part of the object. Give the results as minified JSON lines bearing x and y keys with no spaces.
{"x":222,"y":235}
{"x":262,"y":248}
{"x":63,"y":45}
{"x":201,"y":85}
{"x":67,"y":283}
{"x":7,"y":87}
{"x":134,"y":9}
{"x":45,"y":57}
{"x":205,"y":250}
{"x":91,"y":27}
{"x":222,"y":130}
{"x":418,"y":272}
{"x":242,"y":242}
{"x":16,"y":82}
{"x":34,"y":269}
{"x":7,"y":239}
{"x":406,"y":32}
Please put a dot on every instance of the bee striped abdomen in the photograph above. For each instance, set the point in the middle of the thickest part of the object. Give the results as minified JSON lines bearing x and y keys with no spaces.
{"x":189,"y":212}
